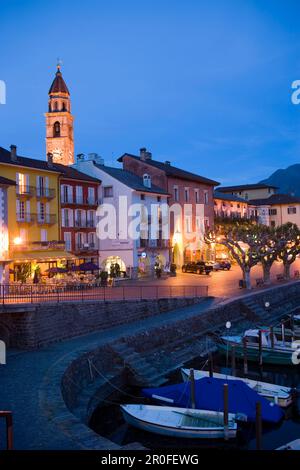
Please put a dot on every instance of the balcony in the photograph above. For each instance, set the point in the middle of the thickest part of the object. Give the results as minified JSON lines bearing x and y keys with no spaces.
{"x":154,"y":244}
{"x":46,"y":219}
{"x":25,"y":218}
{"x":45,"y":193}
{"x":80,"y":223}
{"x":39,"y":246}
{"x":25,"y":191}
{"x":80,"y":202}
{"x":83,"y":247}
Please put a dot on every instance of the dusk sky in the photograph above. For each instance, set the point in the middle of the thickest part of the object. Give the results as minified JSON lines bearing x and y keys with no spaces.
{"x":204,"y":84}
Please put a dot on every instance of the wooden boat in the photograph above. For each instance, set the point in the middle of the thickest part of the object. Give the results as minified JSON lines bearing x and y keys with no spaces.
{"x":278,"y":394}
{"x":285,"y":353}
{"x":293,"y":445}
{"x":180,"y":422}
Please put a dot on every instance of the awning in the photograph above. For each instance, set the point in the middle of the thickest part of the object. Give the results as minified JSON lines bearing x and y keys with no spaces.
{"x":42,"y":256}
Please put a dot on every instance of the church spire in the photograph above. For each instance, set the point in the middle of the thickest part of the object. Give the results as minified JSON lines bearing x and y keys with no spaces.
{"x":59,"y":121}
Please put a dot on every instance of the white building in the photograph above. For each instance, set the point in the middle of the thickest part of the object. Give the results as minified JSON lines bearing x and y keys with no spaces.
{"x":4,"y":254}
{"x":122,"y":190}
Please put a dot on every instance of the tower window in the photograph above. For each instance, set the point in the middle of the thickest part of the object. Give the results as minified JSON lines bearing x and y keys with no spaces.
{"x":56,"y":129}
{"x":55,"y":106}
{"x":64,"y":108}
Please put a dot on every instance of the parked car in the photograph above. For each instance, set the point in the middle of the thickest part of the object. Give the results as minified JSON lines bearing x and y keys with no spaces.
{"x":199,"y":267}
{"x":215,"y":265}
{"x":224,"y":265}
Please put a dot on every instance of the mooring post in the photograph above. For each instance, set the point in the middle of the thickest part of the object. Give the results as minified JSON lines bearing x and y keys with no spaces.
{"x":211,"y":365}
{"x":292,"y":327}
{"x":272,"y":336}
{"x":193,"y":395}
{"x":258,"y":426}
{"x":260,"y":348}
{"x":233,"y":360}
{"x":226,"y":420}
{"x":245,"y":356}
{"x":283,"y":332}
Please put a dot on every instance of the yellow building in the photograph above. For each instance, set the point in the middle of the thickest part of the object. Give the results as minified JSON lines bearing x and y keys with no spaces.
{"x":250,"y":191}
{"x":229,"y":206}
{"x":277,"y":210}
{"x":33,"y":214}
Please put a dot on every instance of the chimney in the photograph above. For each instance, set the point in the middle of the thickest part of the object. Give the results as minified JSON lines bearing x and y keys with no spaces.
{"x":50,"y":159}
{"x":13,"y":153}
{"x":144,"y":155}
{"x":167,"y":162}
{"x":80,"y":157}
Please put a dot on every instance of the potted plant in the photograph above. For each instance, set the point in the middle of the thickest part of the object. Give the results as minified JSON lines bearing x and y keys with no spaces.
{"x":103,"y":277}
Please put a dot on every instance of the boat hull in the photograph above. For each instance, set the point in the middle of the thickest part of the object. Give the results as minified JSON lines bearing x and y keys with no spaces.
{"x":282,"y":396}
{"x":269,"y":355}
{"x":178,"y":431}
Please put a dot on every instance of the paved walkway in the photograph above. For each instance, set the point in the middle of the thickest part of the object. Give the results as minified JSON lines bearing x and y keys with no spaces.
{"x":22,"y":377}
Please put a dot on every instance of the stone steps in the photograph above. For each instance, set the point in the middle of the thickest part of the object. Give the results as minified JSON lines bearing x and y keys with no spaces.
{"x":145,"y":374}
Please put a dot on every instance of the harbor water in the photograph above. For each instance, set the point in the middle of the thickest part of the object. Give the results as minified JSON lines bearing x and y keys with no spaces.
{"x":107,"y":420}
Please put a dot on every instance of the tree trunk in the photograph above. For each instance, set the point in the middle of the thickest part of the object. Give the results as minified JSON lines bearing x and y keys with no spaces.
{"x":286,"y":270}
{"x":247,"y":279}
{"x":267,"y":273}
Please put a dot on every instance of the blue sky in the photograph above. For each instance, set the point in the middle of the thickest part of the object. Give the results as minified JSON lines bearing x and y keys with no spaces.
{"x":205,"y":84}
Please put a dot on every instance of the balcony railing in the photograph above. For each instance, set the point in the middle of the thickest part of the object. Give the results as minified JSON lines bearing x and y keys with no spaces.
{"x":152,"y":243}
{"x":90,"y":223}
{"x":85,"y":247}
{"x":46,"y":219}
{"x":25,"y":218}
{"x":47,"y":193}
{"x":80,"y":223}
{"x":80,"y":202}
{"x":56,"y":245}
{"x":28,"y":191}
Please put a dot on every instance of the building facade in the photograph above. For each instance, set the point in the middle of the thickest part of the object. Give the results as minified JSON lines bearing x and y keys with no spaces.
{"x":79,"y":198}
{"x":249,"y":191}
{"x":121,"y":192}
{"x":191,"y":192}
{"x":5,"y":183}
{"x":229,"y":206}
{"x":59,"y":122}
{"x":33,"y":214}
{"x":277,"y":210}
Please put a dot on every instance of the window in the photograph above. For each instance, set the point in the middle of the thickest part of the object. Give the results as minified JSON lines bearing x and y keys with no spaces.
{"x":66,"y":193}
{"x":186,"y":194}
{"x":44,"y":235}
{"x":108,"y":191}
{"x":91,"y":219}
{"x":197,"y":196}
{"x":91,"y":195}
{"x":188,"y":225}
{"x":55,"y":106}
{"x":158,"y":198}
{"x":79,"y":194}
{"x":142,"y":197}
{"x":206,"y":197}
{"x":206,"y":223}
{"x":91,"y":240}
{"x":22,"y":182}
{"x":147,"y":180}
{"x":20,"y":210}
{"x":292,"y":210}
{"x":272,"y":223}
{"x":68,"y":241}
{"x":56,"y":129}
{"x":176,"y":194}
{"x":41,"y":211}
{"x":272,"y":211}
{"x":246,"y":196}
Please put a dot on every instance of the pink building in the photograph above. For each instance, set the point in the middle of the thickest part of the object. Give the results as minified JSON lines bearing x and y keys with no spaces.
{"x":187,"y":190}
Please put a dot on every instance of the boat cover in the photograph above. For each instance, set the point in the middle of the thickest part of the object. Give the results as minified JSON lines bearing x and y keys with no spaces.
{"x":209,"y":395}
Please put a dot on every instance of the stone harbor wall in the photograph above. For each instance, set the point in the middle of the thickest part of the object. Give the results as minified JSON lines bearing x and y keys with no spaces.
{"x":32,"y":327}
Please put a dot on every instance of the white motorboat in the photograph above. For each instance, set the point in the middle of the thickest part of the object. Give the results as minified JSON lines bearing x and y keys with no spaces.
{"x":278,"y":394}
{"x":180,"y":422}
{"x":293,"y":445}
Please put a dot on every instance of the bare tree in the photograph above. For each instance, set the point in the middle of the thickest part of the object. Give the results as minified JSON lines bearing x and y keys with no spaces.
{"x":243,"y":244}
{"x":289,"y":236}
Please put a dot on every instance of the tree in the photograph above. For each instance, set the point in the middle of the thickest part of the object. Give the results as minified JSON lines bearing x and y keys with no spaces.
{"x":289,"y":236}
{"x":243,"y":243}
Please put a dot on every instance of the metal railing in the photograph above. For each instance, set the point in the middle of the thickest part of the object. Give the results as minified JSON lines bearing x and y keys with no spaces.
{"x":56,"y":293}
{"x":48,"y":193}
{"x":24,"y":190}
{"x":47,"y":219}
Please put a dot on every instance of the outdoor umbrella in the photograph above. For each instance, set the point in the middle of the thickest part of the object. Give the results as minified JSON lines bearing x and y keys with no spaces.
{"x":56,"y":270}
{"x":88,"y":267}
{"x":75,"y":268}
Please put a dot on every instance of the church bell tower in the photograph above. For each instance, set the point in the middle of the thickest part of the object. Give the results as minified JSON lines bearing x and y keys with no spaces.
{"x":59,"y":122}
